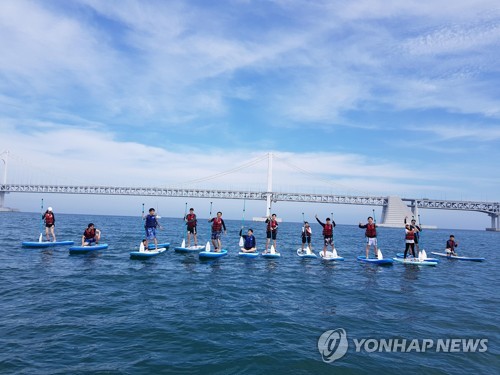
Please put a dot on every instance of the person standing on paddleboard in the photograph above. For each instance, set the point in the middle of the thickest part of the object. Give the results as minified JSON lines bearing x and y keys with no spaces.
{"x":91,"y":235}
{"x":150,"y":226}
{"x":50,"y":222}
{"x":417,"y":229}
{"x":371,"y":236}
{"x":217,"y":226}
{"x":249,"y":244}
{"x":306,"y":235}
{"x":451,"y":244}
{"x":271,"y":231}
{"x":327,"y":233}
{"x":410,"y":240}
{"x":191,"y":223}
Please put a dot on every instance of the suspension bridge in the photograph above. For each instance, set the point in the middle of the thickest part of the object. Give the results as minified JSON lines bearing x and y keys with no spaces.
{"x":394,"y":208}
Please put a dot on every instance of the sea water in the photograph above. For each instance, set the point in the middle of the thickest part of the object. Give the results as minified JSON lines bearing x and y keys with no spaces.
{"x":105,"y":313}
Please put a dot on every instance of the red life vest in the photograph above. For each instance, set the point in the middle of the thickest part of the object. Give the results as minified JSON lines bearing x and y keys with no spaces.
{"x":328,"y":230}
{"x":217,"y":224}
{"x":189,"y":217}
{"x":49,"y":218}
{"x":410,"y":235}
{"x":370,"y":231}
{"x":89,"y":233}
{"x":272,"y":225}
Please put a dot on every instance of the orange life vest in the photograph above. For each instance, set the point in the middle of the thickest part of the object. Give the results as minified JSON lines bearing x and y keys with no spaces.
{"x":49,"y":218}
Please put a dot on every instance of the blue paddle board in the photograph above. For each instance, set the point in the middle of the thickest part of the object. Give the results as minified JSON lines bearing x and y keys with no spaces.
{"x":147,"y":254}
{"x":87,"y":249}
{"x":454,"y":257}
{"x":212,"y":254}
{"x":47,"y":243}
{"x":362,"y":258}
{"x":304,"y":254}
{"x":414,"y":262}
{"x":190,"y":249}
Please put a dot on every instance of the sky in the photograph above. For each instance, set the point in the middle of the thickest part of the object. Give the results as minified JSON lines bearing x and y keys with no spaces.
{"x":368,"y":97}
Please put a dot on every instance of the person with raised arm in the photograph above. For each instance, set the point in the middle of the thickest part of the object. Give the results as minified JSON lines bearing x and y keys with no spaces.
{"x":327,"y":233}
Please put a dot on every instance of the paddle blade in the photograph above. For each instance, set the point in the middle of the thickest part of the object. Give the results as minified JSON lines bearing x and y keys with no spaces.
{"x":183,"y":244}
{"x":334,"y":252}
{"x":273,"y":250}
{"x":420,"y":255}
{"x":207,"y":247}
{"x":141,"y":247}
{"x":241,"y":242}
{"x":308,"y":250}
{"x":379,"y":255}
{"x":40,"y":237}
{"x":424,"y":254}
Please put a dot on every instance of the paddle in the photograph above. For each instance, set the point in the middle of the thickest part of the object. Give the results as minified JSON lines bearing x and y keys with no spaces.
{"x":141,"y":246}
{"x":241,"y":243}
{"x":183,"y":244}
{"x":379,"y":252}
{"x":41,"y":226}
{"x":207,"y":247}
{"x":334,"y":253}
{"x":273,"y":250}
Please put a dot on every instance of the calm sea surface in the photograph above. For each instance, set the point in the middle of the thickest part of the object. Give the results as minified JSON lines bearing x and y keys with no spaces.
{"x":104,"y":313}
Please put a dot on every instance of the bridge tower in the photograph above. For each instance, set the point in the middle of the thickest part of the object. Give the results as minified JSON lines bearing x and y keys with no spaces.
{"x":394,"y":213}
{"x":4,"y":156}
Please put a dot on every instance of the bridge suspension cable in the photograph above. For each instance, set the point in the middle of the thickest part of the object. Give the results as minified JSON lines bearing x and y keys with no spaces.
{"x":229,"y":171}
{"x":316,"y":177}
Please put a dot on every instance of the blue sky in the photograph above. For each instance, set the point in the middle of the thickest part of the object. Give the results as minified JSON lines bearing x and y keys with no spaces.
{"x":371,"y":97}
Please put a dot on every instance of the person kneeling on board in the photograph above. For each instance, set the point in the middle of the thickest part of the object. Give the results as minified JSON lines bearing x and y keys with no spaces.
{"x":451,"y":244}
{"x":91,"y":235}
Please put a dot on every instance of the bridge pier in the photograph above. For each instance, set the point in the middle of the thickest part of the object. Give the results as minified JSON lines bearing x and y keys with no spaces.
{"x":495,"y":223}
{"x":2,"y":202}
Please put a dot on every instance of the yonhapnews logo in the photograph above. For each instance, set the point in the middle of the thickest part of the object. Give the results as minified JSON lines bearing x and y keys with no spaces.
{"x":333,"y":345}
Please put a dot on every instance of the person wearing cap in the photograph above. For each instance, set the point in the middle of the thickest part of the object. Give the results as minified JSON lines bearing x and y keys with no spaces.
{"x":50,"y":221}
{"x":191,"y":223}
{"x":327,"y":233}
{"x":91,"y":235}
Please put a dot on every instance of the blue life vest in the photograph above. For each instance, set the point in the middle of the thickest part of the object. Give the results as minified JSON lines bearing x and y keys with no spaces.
{"x":151,"y":221}
{"x":249,"y":242}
